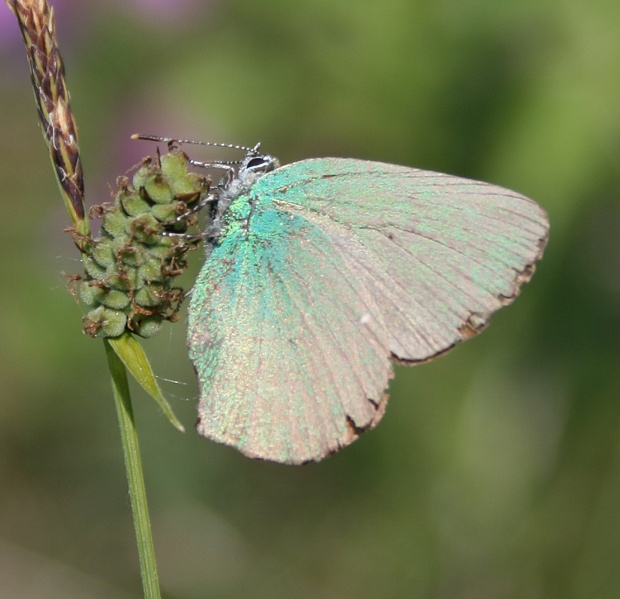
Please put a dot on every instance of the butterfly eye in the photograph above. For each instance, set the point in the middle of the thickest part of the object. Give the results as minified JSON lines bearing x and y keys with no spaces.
{"x":256,"y":163}
{"x":260,"y":164}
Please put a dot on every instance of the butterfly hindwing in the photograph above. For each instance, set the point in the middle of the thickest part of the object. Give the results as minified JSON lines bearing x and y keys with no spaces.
{"x":289,"y":369}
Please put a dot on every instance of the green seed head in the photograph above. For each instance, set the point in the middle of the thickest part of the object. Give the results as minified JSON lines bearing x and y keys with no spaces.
{"x":130,"y":270}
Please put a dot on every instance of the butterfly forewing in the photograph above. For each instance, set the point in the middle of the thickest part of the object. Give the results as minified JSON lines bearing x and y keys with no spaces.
{"x":442,"y":252}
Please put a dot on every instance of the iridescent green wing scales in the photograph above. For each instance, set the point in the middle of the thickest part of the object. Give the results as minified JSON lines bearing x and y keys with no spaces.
{"x":288,"y":369}
{"x":325,"y":271}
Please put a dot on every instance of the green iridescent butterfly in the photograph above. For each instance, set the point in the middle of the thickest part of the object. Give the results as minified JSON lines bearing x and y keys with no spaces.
{"x":322,"y":273}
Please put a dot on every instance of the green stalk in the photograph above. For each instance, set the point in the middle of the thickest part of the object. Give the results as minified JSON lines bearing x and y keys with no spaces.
{"x":36,"y":21}
{"x":135,"y":478}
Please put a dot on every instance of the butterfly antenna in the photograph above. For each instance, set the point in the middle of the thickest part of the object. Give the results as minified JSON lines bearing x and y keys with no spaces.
{"x":198,"y":143}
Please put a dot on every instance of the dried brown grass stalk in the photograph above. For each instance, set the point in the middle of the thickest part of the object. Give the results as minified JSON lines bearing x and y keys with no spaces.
{"x":36,"y":21}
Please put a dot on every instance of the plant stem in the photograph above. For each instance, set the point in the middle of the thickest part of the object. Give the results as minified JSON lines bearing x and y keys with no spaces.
{"x":135,"y":478}
{"x":36,"y":21}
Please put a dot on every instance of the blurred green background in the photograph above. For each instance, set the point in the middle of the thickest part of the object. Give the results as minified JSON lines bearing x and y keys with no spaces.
{"x":496,"y":470}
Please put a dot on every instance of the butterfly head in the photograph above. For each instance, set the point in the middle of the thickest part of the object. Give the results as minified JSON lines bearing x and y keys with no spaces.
{"x":240,"y":175}
{"x":255,"y":164}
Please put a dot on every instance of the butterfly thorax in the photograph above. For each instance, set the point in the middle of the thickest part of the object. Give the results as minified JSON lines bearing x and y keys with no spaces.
{"x":252,"y":168}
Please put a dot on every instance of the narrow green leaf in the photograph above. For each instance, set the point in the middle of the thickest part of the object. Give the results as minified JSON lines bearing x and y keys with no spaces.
{"x":133,"y":357}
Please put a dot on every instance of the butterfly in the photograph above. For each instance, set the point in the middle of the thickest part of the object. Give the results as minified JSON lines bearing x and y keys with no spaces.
{"x":321,"y":274}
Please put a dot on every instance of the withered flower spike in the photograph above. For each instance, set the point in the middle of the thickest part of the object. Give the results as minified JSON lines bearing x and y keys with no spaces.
{"x":37,"y":24}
